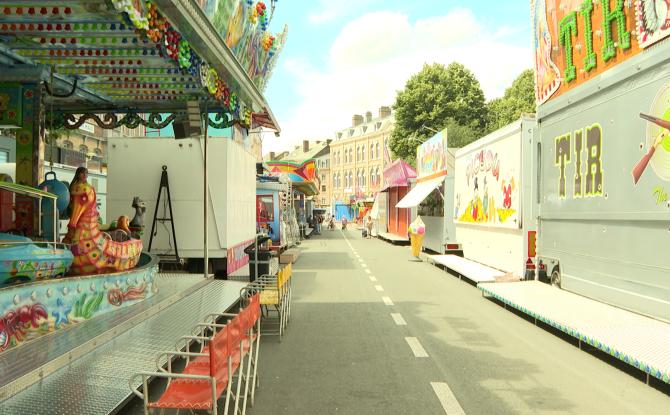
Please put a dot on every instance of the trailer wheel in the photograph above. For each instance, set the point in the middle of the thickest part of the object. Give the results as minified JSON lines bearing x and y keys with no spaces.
{"x":556,"y":277}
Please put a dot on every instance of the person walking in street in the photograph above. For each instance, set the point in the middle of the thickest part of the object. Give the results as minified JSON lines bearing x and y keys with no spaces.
{"x":368,"y":226}
{"x":319,"y":221}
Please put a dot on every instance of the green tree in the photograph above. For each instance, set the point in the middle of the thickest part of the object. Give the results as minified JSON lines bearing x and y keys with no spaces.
{"x":518,"y":99}
{"x":461,"y":135}
{"x":432,"y":98}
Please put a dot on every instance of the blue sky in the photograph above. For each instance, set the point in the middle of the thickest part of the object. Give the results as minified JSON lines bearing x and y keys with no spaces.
{"x":349,"y":56}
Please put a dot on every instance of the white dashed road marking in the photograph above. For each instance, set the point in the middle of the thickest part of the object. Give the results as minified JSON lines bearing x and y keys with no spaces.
{"x":387,"y":300}
{"x":397,"y":317}
{"x":416,"y":347}
{"x":373,"y":278}
{"x":367,"y":271}
{"x":379,"y":288}
{"x":447,"y":398}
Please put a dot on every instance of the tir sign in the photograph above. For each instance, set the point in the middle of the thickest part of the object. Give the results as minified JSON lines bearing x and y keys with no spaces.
{"x":612,"y":22}
{"x":584,"y":148}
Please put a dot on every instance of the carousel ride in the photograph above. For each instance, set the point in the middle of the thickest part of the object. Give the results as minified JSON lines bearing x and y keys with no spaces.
{"x":48,"y":285}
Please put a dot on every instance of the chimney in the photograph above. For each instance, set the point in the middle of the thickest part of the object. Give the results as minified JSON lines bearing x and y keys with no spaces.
{"x":384,"y":112}
{"x":356,"y":120}
{"x":272,"y":155}
{"x":368,"y":116}
{"x":305,"y":146}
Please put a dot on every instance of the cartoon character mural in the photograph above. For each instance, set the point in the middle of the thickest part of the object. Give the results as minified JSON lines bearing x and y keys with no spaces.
{"x":547,"y":76}
{"x":485,"y":183}
{"x":652,"y":18}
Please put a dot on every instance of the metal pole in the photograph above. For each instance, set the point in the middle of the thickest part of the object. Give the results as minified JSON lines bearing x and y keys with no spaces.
{"x":55,"y":222}
{"x":206,"y":198}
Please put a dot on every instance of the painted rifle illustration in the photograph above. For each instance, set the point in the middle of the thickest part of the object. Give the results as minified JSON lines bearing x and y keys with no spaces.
{"x":641,"y":165}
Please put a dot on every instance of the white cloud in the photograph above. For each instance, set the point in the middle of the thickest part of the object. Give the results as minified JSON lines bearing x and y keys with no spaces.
{"x":375,"y":54}
{"x":329,"y":10}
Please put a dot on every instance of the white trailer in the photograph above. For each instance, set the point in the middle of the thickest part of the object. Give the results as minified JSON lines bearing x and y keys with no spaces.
{"x":495,"y":202}
{"x":135,"y":166}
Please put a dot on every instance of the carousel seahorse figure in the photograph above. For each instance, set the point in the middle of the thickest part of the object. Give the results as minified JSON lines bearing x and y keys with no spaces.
{"x":94,"y":251}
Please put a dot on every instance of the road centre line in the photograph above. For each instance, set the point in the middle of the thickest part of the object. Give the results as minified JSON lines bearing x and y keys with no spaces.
{"x":367,"y":271}
{"x":416,"y":347}
{"x":447,"y":398}
{"x":397,"y":317}
{"x":373,"y":278}
{"x":379,"y":288}
{"x":387,"y":300}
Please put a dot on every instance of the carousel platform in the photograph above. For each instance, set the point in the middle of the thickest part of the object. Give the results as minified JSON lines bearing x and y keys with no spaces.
{"x":637,"y":340}
{"x":85,"y":368}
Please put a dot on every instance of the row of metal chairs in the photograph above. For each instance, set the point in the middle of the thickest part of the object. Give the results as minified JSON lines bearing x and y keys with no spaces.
{"x":275,"y":299}
{"x":225,"y":360}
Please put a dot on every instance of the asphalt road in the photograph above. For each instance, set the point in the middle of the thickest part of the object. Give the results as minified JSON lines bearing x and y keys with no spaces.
{"x":344,"y":351}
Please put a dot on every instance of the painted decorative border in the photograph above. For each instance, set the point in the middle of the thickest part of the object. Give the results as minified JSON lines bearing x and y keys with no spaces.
{"x":665,"y":377}
{"x":28,"y":311}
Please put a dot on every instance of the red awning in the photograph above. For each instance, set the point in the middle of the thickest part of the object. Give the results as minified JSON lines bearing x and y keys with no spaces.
{"x":264,"y":119}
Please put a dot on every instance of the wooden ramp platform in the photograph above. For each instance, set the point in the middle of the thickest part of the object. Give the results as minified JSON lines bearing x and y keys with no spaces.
{"x":639,"y":341}
{"x":471,"y":270}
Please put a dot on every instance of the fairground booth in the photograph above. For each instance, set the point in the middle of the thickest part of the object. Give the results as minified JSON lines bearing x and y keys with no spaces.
{"x":433,"y":192}
{"x":398,"y":177}
{"x":193,"y":67}
{"x":304,"y":183}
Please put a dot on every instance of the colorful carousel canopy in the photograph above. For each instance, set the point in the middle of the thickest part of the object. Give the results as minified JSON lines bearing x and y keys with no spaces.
{"x":303,"y":176}
{"x":131,"y":55}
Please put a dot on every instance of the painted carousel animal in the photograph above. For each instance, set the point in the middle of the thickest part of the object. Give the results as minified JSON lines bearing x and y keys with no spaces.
{"x":95,"y":252}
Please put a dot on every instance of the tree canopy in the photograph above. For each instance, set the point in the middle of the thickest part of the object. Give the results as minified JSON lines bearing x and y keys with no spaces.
{"x":433,"y":98}
{"x":518,"y":99}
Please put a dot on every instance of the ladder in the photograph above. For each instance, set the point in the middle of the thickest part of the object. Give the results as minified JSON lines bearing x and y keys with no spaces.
{"x":165,"y":258}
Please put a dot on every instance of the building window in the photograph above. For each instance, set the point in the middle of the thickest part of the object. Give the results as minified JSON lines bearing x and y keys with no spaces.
{"x":4,"y":156}
{"x":323,"y":203}
{"x":83,"y":149}
{"x":377,"y":176}
{"x":323,"y":189}
{"x":377,"y":151}
{"x":372,"y":149}
{"x":67,"y":144}
{"x":97,"y":151}
{"x":372,"y":177}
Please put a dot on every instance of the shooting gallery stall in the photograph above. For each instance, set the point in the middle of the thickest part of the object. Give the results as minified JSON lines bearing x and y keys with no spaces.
{"x":603,"y":114}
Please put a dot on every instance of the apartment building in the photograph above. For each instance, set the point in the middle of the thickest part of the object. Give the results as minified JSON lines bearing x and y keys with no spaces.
{"x":358,"y":156}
